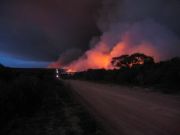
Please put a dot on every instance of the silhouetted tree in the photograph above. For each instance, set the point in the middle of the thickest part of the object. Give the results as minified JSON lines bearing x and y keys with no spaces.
{"x":128,"y":61}
{"x":121,"y":61}
{"x":139,"y":58}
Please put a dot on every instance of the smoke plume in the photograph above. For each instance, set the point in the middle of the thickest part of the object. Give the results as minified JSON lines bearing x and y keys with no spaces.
{"x":66,"y":58}
{"x":130,"y":26}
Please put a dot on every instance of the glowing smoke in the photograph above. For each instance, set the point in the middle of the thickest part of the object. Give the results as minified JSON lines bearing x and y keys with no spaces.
{"x":130,"y":26}
{"x":66,"y":58}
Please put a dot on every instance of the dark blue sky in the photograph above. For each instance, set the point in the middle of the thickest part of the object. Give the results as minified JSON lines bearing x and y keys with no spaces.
{"x":12,"y":61}
{"x":37,"y":31}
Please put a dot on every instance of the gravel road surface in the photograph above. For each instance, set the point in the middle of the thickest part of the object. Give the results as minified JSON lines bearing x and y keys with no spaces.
{"x":130,"y":110}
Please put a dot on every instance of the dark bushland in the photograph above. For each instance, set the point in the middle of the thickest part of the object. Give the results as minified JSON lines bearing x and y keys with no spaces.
{"x":22,"y":93}
{"x":165,"y":76}
{"x":32,"y":99}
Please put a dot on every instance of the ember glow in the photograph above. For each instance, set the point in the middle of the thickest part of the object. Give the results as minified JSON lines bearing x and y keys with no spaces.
{"x":126,"y":27}
{"x":147,"y":37}
{"x":101,"y":56}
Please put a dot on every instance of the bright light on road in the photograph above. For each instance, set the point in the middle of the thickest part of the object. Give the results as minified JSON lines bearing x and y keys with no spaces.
{"x":57,"y":73}
{"x":57,"y":76}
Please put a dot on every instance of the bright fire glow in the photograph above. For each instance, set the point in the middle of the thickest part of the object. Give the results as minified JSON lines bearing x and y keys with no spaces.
{"x":101,"y":55}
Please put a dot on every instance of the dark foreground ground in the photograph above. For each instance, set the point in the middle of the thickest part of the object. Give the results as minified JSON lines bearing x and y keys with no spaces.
{"x":35,"y":103}
{"x":130,"y":111}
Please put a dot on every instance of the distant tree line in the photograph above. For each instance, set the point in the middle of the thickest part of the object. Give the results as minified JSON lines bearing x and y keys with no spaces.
{"x":138,"y":69}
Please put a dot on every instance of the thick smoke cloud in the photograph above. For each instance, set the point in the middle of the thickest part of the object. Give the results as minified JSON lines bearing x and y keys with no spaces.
{"x":41,"y":30}
{"x":129,"y":11}
{"x":129,"y":26}
{"x":155,"y":22}
{"x":66,"y":58}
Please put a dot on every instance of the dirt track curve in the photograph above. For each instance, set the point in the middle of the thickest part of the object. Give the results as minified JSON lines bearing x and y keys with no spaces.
{"x":130,"y":111}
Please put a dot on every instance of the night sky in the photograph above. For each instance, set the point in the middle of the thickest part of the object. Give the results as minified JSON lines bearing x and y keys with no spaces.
{"x":34,"y":33}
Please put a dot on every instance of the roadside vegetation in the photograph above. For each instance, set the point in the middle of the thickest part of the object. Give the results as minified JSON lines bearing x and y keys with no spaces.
{"x":34,"y":102}
{"x":140,"y":70}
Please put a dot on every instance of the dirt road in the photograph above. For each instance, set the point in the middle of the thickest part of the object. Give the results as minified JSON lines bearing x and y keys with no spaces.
{"x":130,"y":111}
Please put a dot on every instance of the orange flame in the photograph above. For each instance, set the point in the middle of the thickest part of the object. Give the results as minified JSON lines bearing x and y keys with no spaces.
{"x":101,"y":55}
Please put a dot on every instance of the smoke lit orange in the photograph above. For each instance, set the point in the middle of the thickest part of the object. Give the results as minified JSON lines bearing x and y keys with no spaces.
{"x":101,"y":55}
